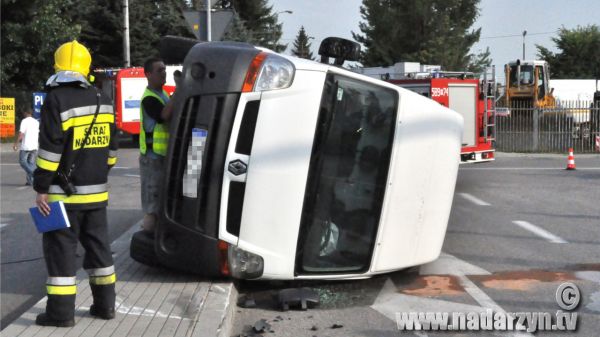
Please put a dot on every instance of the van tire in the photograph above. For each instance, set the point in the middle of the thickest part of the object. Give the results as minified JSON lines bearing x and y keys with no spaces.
{"x":173,"y":49}
{"x":142,"y":248}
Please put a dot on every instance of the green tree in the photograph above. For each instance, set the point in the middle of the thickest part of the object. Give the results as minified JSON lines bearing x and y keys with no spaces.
{"x":302,"y":46}
{"x":425,"y":31}
{"x":148,"y":21}
{"x":261,"y":23}
{"x":578,"y":55}
{"x":237,"y":30}
{"x":101,"y":24}
{"x":31,"y":31}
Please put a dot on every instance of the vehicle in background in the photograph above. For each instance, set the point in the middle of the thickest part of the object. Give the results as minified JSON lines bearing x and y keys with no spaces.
{"x":528,"y":83}
{"x":471,"y":95}
{"x":529,"y":92}
{"x":285,"y":168}
{"x":126,"y":86}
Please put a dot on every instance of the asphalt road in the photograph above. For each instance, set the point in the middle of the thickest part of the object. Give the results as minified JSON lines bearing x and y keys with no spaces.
{"x":23,"y":271}
{"x":519,"y":228}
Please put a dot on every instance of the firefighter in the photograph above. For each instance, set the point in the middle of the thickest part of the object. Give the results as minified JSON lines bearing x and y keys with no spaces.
{"x":67,"y":113}
{"x":155,"y":113}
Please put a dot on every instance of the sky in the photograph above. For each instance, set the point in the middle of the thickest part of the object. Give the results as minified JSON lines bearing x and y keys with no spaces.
{"x":502,"y":23}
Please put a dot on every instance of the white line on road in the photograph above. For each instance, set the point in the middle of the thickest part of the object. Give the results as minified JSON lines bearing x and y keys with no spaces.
{"x":539,"y":231}
{"x":122,"y":167}
{"x":474,"y":200}
{"x":132,"y":175}
{"x":488,"y":303}
{"x":525,"y":168}
{"x":2,"y":225}
{"x":23,"y":187}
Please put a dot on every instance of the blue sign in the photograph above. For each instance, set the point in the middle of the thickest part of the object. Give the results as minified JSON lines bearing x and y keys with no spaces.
{"x":132,"y":104}
{"x":38,"y":101}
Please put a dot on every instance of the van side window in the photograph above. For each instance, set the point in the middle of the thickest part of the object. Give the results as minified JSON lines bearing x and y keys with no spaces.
{"x":347,"y":177}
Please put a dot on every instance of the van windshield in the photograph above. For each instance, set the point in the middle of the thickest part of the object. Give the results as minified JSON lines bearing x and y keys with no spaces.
{"x":347,"y":177}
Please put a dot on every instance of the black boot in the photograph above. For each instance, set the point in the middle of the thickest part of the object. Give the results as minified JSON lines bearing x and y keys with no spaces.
{"x":104,"y":313}
{"x":45,"y":320}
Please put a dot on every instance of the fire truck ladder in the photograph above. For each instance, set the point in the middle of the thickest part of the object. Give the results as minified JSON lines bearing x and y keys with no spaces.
{"x":489,"y":106}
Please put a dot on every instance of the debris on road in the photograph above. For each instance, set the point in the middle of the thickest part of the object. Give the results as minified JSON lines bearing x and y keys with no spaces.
{"x":246,"y":301}
{"x":302,"y":297}
{"x":261,"y":326}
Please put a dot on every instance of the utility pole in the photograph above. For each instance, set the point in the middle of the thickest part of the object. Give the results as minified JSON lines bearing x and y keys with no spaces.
{"x":126,"y":55}
{"x":208,"y":21}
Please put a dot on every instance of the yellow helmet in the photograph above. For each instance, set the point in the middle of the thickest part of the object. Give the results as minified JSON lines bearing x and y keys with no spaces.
{"x":72,"y":56}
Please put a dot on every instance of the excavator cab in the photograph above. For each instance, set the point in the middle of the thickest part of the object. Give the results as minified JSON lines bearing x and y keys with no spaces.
{"x":527,"y":83}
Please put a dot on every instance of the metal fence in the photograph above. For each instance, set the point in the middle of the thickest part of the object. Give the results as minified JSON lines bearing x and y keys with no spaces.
{"x":524,"y":128}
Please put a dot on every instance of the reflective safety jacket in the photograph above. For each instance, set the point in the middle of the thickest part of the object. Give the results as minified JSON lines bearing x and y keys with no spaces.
{"x":156,"y":139}
{"x":67,"y":113}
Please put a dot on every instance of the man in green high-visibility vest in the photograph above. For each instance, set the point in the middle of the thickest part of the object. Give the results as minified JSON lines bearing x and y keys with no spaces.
{"x":155,"y":113}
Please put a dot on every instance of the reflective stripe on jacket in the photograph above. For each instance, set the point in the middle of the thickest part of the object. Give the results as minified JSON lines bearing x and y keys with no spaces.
{"x":156,"y":139}
{"x":66,"y":116}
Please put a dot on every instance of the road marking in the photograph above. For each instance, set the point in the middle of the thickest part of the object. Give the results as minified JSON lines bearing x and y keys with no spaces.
{"x":132,"y":175}
{"x":525,"y":168}
{"x":23,"y":187}
{"x":474,"y":200}
{"x":2,"y":225}
{"x":122,"y":167}
{"x":539,"y":231}
{"x":448,"y":264}
{"x":488,"y":303}
{"x":389,"y":301}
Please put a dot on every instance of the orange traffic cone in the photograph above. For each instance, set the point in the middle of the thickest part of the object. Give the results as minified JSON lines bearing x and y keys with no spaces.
{"x":571,"y":160}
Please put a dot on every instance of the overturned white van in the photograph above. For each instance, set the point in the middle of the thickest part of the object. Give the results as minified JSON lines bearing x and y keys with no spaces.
{"x":284,"y":168}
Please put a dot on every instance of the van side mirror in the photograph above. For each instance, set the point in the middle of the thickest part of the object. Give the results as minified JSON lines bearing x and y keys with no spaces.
{"x":340,"y":49}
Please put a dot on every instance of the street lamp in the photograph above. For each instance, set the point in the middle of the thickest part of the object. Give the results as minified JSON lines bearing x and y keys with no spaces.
{"x":126,"y":51}
{"x":524,"y":33}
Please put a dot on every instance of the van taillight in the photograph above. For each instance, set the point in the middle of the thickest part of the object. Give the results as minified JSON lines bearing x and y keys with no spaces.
{"x":223,"y":247}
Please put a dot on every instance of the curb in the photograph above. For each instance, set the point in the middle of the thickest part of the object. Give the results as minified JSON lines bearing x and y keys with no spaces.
{"x":216,"y":316}
{"x":211,"y":306}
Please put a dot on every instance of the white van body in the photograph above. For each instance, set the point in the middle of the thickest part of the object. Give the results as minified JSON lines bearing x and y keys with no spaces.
{"x":347,"y":177}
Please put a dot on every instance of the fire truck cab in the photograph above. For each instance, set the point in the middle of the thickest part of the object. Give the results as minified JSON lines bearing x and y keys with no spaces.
{"x":463,"y":92}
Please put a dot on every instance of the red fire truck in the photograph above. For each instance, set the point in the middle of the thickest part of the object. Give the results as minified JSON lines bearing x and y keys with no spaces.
{"x":467,"y":93}
{"x":126,"y":87}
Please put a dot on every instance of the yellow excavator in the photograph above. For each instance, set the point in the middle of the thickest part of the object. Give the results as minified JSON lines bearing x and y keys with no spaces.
{"x":528,"y":84}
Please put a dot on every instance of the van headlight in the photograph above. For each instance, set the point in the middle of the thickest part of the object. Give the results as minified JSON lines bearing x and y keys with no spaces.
{"x":243,"y":264}
{"x":268,"y":72}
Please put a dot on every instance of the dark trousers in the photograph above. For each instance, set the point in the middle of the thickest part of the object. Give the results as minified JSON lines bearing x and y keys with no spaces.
{"x":60,"y":247}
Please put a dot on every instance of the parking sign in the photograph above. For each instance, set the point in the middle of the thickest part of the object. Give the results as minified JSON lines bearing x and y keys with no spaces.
{"x":38,"y":101}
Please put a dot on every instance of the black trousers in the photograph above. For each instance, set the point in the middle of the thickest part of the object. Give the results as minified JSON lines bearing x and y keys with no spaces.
{"x":60,"y":247}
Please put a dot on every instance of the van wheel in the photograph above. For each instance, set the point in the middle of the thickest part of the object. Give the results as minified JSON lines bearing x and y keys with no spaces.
{"x":142,"y":248}
{"x":173,"y":49}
